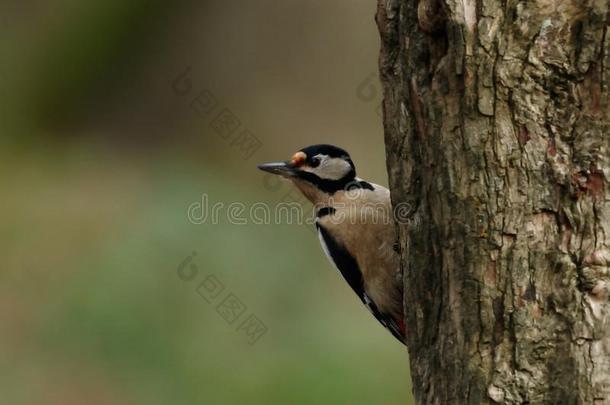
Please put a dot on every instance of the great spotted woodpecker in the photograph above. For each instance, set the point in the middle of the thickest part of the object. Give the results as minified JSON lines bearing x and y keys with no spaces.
{"x":355,"y":226}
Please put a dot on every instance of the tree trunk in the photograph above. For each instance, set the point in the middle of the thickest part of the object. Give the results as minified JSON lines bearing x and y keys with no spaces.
{"x":497,"y":120}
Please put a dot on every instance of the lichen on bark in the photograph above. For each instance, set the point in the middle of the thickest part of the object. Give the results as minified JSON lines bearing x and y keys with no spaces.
{"x":497,"y":131}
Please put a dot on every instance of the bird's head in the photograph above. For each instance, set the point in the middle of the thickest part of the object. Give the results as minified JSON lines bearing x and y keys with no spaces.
{"x":322,"y":168}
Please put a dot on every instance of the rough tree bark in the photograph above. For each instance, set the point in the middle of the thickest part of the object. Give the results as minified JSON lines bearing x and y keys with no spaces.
{"x":497,"y":119}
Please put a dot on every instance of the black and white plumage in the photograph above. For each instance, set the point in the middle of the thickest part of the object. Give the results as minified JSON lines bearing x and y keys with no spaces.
{"x":355,"y":227}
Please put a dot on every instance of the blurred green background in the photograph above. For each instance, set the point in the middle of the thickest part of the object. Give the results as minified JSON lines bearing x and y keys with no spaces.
{"x":100,"y":159}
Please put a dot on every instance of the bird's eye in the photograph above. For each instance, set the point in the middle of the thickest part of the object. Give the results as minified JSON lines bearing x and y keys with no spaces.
{"x":314,"y":162}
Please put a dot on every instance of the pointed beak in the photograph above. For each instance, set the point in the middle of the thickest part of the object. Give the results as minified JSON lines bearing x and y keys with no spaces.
{"x":281,"y":168}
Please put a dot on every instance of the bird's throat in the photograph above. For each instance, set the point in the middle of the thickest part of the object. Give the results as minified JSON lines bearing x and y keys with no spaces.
{"x":312,"y":193}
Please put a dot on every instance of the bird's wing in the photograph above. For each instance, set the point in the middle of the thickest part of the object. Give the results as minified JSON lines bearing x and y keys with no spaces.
{"x":397,"y":329}
{"x":348,"y":267}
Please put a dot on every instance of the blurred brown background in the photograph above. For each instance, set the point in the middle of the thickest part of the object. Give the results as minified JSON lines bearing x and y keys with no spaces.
{"x":102,"y":153}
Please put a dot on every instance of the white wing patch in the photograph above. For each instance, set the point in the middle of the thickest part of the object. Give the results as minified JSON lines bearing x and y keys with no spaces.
{"x":326,"y":251}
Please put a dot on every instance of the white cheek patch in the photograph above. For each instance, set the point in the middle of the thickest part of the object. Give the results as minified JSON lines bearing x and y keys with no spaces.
{"x":330,"y":168}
